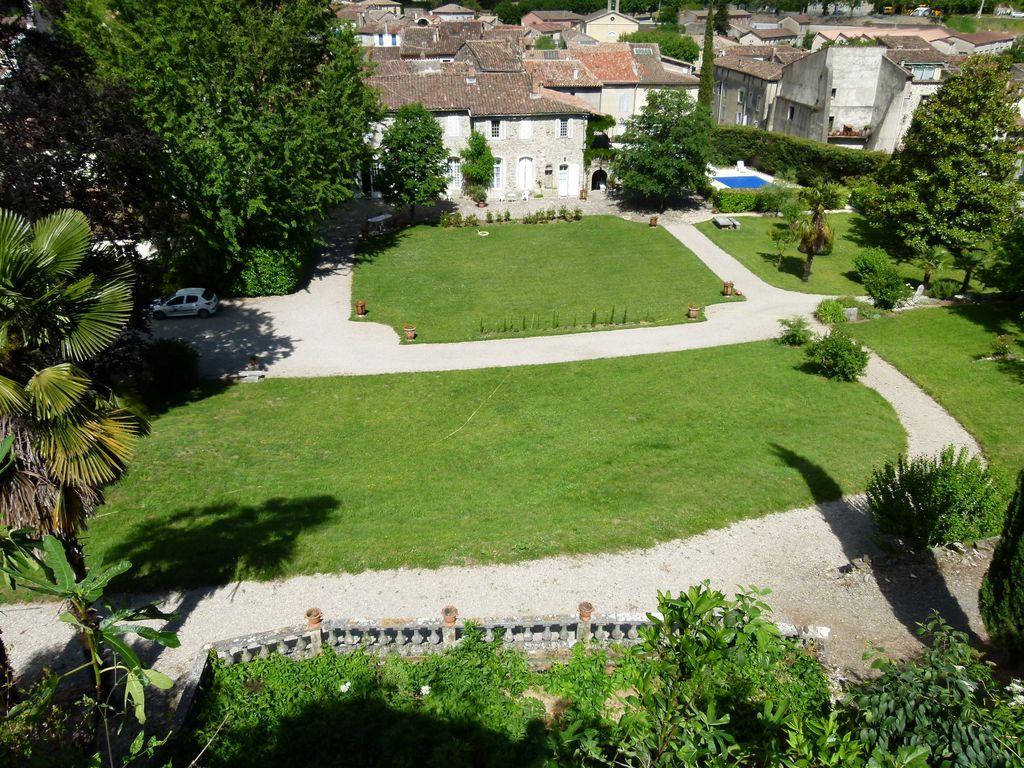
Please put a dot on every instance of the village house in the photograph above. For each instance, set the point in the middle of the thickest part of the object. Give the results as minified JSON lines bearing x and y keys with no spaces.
{"x":773,"y":36}
{"x":552,"y":22}
{"x":453,"y":12}
{"x":694,"y":21}
{"x":745,"y":90}
{"x":975,"y":43}
{"x":536,"y":134}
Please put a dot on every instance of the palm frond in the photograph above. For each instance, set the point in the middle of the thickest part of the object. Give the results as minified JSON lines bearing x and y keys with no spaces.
{"x":12,"y":397}
{"x":57,"y":391}
{"x":91,"y":451}
{"x":15,"y":237}
{"x":62,"y":240}
{"x":95,"y":319}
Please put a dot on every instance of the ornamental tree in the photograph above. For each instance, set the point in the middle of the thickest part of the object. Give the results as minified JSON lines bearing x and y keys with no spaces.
{"x":477,"y":166}
{"x":665,"y":148}
{"x":951,"y":184}
{"x":261,"y":110}
{"x":413,"y":158}
{"x":706,"y":91}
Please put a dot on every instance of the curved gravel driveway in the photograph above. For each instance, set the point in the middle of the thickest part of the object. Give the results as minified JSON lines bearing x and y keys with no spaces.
{"x":803,"y":555}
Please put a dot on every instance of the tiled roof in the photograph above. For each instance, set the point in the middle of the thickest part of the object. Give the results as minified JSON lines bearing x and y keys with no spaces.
{"x":453,"y":8}
{"x":545,"y":27}
{"x":560,"y":73}
{"x":505,"y":32}
{"x":651,"y":71}
{"x":917,"y":56}
{"x":439,"y":41}
{"x":752,"y":51}
{"x":574,"y":36}
{"x":733,"y":14}
{"x":384,"y":53}
{"x":557,"y":16}
{"x":490,"y":93}
{"x":926,"y":33}
{"x":984,"y":38}
{"x":902,"y":41}
{"x":610,"y":62}
{"x":772,"y":34}
{"x":494,"y":55}
{"x":604,"y":12}
{"x":763,"y":70}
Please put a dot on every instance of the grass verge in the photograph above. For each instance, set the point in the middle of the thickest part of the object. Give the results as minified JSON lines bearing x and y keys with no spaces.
{"x":943,"y":350}
{"x":346,"y":474}
{"x":530,"y":279}
{"x":834,"y":274}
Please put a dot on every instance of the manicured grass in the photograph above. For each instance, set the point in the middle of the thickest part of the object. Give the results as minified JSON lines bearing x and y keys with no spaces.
{"x":344,"y":474}
{"x":941,"y":350}
{"x":554,"y":278}
{"x":833,"y":274}
{"x":970,"y":23}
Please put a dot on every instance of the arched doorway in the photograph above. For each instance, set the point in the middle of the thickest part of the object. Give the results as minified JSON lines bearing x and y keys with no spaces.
{"x":599,"y":180}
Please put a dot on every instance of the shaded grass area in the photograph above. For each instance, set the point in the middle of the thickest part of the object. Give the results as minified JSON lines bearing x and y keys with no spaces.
{"x":456,"y":285}
{"x":942,"y":350}
{"x":345,"y":474}
{"x":751,"y":244}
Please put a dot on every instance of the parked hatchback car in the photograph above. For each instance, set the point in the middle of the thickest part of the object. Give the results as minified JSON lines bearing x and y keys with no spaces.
{"x":188,"y":301}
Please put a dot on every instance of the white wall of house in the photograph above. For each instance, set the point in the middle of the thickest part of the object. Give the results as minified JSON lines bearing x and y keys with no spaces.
{"x":537,"y":153}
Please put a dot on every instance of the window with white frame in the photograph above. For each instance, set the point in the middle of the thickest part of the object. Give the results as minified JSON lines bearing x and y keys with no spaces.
{"x":496,"y":180}
{"x":526,"y":129}
{"x":495,"y":129}
{"x":563,"y":127}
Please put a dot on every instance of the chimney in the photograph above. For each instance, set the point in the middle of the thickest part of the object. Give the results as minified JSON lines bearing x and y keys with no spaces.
{"x":575,"y":74}
{"x":471,"y":76}
{"x":535,"y":92}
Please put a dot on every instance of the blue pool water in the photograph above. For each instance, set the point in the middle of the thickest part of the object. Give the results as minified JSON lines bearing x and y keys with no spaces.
{"x":742,"y":182}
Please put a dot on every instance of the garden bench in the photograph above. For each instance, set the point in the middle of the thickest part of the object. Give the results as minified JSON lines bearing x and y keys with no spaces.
{"x":726,"y":222}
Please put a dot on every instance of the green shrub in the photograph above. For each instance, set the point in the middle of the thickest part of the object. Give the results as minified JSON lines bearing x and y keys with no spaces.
{"x":933,"y":500}
{"x":838,"y":356}
{"x":774,"y":198}
{"x":947,"y":703}
{"x":881,"y":278}
{"x":170,"y":369}
{"x":811,"y":162}
{"x":795,"y":331}
{"x":830,"y":312}
{"x":1002,"y":591}
{"x":267,"y":272}
{"x":944,"y":288}
{"x":735,"y":200}
{"x":863,"y":195}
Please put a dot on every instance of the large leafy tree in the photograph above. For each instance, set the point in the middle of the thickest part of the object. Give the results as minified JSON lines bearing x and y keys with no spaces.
{"x":413,"y":158}
{"x":951,"y":184}
{"x":477,"y":165}
{"x":665,"y":148}
{"x":1007,"y":267}
{"x":70,"y":439}
{"x":261,"y":108}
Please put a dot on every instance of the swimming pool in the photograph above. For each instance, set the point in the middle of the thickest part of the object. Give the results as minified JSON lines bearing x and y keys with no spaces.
{"x":742,"y":182}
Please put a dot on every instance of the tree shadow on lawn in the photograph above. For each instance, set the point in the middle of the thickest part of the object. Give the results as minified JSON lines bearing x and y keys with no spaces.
{"x":911,"y":583}
{"x":789,"y":265}
{"x":866,"y":233}
{"x":369,"y":732}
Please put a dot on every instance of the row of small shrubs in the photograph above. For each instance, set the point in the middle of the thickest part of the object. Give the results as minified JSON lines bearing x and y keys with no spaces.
{"x":525,"y":323}
{"x":812,"y":162}
{"x":833,"y":311}
{"x":457,"y":220}
{"x":550,"y":214}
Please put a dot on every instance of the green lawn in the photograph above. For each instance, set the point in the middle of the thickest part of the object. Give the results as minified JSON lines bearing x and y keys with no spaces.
{"x":940,"y":349}
{"x":554,"y":278}
{"x":833,"y":274}
{"x":970,"y":23}
{"x":344,"y":474}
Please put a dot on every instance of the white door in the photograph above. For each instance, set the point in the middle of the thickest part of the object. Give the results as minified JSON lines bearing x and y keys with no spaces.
{"x":525,"y":176}
{"x":563,"y":180}
{"x":574,"y":179}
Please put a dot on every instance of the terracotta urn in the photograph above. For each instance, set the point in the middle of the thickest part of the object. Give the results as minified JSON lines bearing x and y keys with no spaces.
{"x":360,"y":308}
{"x":586,"y":611}
{"x":314,"y":618}
{"x":692,"y":311}
{"x":410,"y":331}
{"x":449,"y":614}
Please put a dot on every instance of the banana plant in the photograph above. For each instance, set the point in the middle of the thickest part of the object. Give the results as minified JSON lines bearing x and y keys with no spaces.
{"x":103,"y":638}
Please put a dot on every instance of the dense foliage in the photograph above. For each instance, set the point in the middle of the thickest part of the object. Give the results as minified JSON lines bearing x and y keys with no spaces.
{"x":952,"y":183}
{"x":796,"y":331}
{"x":706,"y":90}
{"x":262,"y":122}
{"x":1007,"y":268}
{"x":881,"y":278}
{"x":413,"y":159}
{"x":1002,"y":592}
{"x":810,"y":161}
{"x":830,"y":312}
{"x":477,"y":166}
{"x":712,"y":683}
{"x":671,"y":43}
{"x":838,"y":356}
{"x":933,"y":500}
{"x":665,"y":148}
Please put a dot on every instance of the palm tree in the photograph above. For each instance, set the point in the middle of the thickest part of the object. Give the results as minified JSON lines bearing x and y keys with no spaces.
{"x":931,"y":259}
{"x":814,"y":233}
{"x":70,"y":439}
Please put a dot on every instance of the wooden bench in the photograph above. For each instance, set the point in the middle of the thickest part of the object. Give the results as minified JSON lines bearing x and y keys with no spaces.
{"x":726,"y":222}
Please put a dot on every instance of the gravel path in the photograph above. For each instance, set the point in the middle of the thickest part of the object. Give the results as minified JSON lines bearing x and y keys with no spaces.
{"x":819,"y":561}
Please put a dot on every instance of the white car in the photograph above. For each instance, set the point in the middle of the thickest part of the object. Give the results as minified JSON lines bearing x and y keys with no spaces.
{"x":188,"y":301}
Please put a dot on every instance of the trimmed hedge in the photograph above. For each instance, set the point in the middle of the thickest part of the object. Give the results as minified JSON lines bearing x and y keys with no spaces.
{"x":1002,"y":592}
{"x":268,"y":272}
{"x":735,"y":200}
{"x":774,"y":153}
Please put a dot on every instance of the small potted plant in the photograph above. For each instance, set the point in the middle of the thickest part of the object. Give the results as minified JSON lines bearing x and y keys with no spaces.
{"x":478,"y":194}
{"x":360,"y":308}
{"x":314,"y":618}
{"x":654,"y":221}
{"x":410,"y":331}
{"x":692,"y":311}
{"x":727,"y":288}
